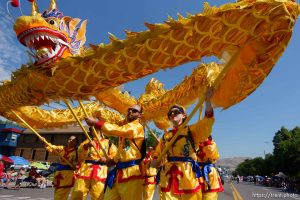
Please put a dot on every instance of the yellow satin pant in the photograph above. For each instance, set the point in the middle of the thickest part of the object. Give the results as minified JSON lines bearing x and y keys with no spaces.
{"x":210,"y":196}
{"x":132,"y":189}
{"x":148,"y":191}
{"x":171,"y":196}
{"x":82,"y":187}
{"x":62,"y":193}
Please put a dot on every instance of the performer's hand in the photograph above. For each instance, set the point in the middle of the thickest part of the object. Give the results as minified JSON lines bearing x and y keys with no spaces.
{"x":110,"y":163}
{"x":90,"y":144}
{"x":154,"y":163}
{"x":103,"y":160}
{"x":91,"y":121}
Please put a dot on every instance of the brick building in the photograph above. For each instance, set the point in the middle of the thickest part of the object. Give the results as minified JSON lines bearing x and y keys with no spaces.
{"x":32,"y":148}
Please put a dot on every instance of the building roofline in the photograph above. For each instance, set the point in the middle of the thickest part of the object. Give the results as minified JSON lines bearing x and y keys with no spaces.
{"x":68,"y":129}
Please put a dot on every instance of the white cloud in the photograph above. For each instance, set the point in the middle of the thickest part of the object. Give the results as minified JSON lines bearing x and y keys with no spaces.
{"x":12,"y":53}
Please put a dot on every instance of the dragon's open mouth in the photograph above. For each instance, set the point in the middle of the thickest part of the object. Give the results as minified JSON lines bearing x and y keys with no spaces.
{"x":46,"y":45}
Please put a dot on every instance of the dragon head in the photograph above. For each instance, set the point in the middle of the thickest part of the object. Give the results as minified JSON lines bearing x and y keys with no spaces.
{"x":50,"y":35}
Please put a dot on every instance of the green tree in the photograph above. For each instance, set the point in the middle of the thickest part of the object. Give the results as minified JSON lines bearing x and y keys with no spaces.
{"x":151,"y":140}
{"x":287,"y":151}
{"x":285,"y":157}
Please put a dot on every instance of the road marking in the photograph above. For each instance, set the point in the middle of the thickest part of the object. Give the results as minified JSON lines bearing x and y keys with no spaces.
{"x":6,"y":196}
{"x":22,"y":197}
{"x":233,"y":193}
{"x":236,"y":193}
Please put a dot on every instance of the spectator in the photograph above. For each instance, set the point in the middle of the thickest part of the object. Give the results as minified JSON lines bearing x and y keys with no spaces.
{"x":8,"y":176}
{"x":20,"y":178}
{"x":34,"y":175}
{"x":1,"y":173}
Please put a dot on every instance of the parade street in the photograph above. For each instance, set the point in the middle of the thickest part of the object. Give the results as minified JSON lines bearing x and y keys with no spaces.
{"x":233,"y":191}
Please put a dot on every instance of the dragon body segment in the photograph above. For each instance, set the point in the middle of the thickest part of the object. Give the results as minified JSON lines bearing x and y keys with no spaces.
{"x":256,"y":31}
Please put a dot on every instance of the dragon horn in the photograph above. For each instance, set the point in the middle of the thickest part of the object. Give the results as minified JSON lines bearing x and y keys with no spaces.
{"x":35,"y":9}
{"x":52,"y":5}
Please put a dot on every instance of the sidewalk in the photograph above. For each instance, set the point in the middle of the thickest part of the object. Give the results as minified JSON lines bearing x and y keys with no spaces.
{"x":11,"y":185}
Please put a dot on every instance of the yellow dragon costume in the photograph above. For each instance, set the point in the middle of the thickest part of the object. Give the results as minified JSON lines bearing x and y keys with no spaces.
{"x":179,"y":174}
{"x":64,"y":176}
{"x":127,"y":173}
{"x":249,"y":35}
{"x":258,"y":29}
{"x":211,"y":182}
{"x":92,"y":173}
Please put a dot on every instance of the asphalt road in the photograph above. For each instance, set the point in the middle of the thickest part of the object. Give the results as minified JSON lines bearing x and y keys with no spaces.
{"x":232,"y":191}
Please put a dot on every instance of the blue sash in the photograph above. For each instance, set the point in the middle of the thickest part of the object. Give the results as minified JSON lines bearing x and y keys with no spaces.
{"x":195,"y":166}
{"x":206,"y":170}
{"x":60,"y":167}
{"x":120,"y":165}
{"x":158,"y":175}
{"x":94,"y":162}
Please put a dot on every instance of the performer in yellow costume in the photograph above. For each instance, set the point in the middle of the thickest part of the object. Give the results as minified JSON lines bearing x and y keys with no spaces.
{"x":211,"y":182}
{"x":180,"y":173}
{"x":149,"y":177}
{"x":125,"y":180}
{"x":64,"y":176}
{"x":92,"y":173}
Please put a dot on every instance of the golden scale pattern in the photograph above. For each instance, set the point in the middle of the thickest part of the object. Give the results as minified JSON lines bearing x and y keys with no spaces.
{"x":259,"y":29}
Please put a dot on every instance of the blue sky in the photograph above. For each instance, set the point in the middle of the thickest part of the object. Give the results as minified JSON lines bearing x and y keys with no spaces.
{"x":245,"y":129}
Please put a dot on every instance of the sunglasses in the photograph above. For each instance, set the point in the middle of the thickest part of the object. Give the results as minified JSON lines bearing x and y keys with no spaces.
{"x":174,"y":112}
{"x":132,"y":110}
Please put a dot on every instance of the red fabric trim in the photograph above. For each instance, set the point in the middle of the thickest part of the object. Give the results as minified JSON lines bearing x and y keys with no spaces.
{"x":220,"y":189}
{"x":99,"y":124}
{"x":176,"y":190}
{"x":174,"y":183}
{"x":90,"y":178}
{"x":67,"y":152}
{"x":207,"y":142}
{"x":147,"y":182}
{"x":121,"y":180}
{"x":201,"y":154}
{"x":59,"y":177}
{"x":5,"y":130}
{"x":93,"y":174}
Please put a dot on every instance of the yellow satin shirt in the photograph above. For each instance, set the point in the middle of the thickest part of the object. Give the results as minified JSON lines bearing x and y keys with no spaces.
{"x":208,"y":153}
{"x":131,"y":136}
{"x":94,"y":171}
{"x":179,"y":176}
{"x":64,"y":178}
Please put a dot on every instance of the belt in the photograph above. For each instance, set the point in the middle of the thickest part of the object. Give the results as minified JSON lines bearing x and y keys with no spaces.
{"x":206,"y":170}
{"x":120,"y":165}
{"x":195,"y":167}
{"x":60,"y":167}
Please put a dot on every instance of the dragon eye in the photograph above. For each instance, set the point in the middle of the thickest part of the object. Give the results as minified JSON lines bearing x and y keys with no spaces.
{"x":52,"y":22}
